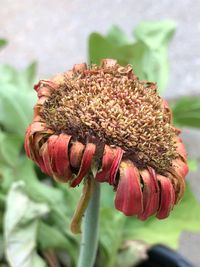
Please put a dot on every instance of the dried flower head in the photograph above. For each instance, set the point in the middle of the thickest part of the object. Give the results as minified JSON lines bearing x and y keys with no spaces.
{"x":105,"y":114}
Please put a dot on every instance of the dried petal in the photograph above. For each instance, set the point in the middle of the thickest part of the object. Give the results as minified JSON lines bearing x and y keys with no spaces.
{"x":85,"y":164}
{"x":110,"y":164}
{"x":79,"y":67}
{"x":129,"y":195}
{"x":181,"y":148}
{"x":76,"y":153}
{"x":179,"y":167}
{"x":108,"y":63}
{"x":59,"y":157}
{"x":46,"y":159}
{"x":167,"y":197}
{"x":150,"y":194}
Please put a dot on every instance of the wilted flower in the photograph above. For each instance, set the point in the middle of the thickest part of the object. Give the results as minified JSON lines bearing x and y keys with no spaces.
{"x":107,"y":116}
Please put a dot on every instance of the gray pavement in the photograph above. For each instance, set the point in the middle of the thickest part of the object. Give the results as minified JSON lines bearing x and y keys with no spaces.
{"x":55,"y":34}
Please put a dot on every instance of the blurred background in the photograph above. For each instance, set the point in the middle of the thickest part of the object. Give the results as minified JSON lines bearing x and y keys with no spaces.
{"x":55,"y":35}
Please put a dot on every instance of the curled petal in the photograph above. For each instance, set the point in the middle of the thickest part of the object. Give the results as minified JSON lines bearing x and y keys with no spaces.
{"x":35,"y":133}
{"x":86,"y":163}
{"x":167,"y":197}
{"x":51,"y":151}
{"x":41,"y":100}
{"x":179,"y":167}
{"x":79,"y":67}
{"x":115,"y":165}
{"x":150,"y":194}
{"x":36,"y":115}
{"x":178,"y":184}
{"x":181,"y":148}
{"x":108,"y":63}
{"x":27,"y":142}
{"x":58,"y":150}
{"x":32,"y":129}
{"x":46,"y":159}
{"x":76,"y":153}
{"x":129,"y":195}
{"x":44,"y":83}
{"x":167,"y":108}
{"x":110,"y":164}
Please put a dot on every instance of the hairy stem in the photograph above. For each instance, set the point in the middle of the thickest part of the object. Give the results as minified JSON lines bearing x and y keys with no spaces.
{"x":89,"y":242}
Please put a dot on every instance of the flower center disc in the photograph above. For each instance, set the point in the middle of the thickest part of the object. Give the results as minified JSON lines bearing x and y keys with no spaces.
{"x":109,"y":105}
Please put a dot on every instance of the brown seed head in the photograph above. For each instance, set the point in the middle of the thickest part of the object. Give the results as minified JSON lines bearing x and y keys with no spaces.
{"x":109,"y":105}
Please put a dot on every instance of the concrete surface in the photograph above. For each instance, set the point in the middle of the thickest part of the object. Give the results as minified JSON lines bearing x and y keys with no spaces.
{"x":55,"y":34}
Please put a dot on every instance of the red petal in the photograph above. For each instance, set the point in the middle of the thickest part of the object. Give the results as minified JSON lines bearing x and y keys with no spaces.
{"x":150,"y":194}
{"x":44,"y":91}
{"x":129,"y":195}
{"x":51,"y":149}
{"x":46,"y":159}
{"x":85,"y":164}
{"x":167,"y":197}
{"x":76,"y":153}
{"x":181,"y":148}
{"x":47,"y":83}
{"x":33,"y":128}
{"x":27,"y":143}
{"x":180,"y":167}
{"x":59,"y":157}
{"x":178,"y":183}
{"x":110,"y":164}
{"x":115,"y":165}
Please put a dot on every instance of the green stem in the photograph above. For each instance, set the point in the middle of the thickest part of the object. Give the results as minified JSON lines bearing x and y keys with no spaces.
{"x":89,"y":242}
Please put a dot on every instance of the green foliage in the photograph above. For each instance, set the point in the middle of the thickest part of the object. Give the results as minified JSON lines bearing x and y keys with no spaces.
{"x":20,"y":228}
{"x":147,"y":52}
{"x":186,"y":112}
{"x":16,"y":98}
{"x":3,"y":43}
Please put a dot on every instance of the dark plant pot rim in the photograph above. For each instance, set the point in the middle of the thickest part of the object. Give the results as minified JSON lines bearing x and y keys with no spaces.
{"x":162,"y":256}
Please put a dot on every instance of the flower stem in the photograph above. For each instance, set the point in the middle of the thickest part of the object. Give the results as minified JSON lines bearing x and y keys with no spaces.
{"x":89,"y":242}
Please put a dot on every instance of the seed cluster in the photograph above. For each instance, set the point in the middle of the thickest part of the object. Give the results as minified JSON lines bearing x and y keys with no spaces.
{"x":112,"y":106}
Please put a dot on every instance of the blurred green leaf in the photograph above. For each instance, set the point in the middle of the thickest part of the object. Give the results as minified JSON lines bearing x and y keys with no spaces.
{"x":51,"y":237}
{"x":117,"y":36}
{"x":23,"y":79}
{"x":185,"y":217}
{"x":186,"y":112}
{"x":148,"y":53}
{"x":29,"y":73}
{"x":155,"y":36}
{"x":9,"y":148}
{"x":3,"y":43}
{"x":20,"y":226}
{"x":193,"y":165}
{"x":111,"y":234}
{"x":16,"y":108}
{"x":16,"y":98}
{"x":1,"y":247}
